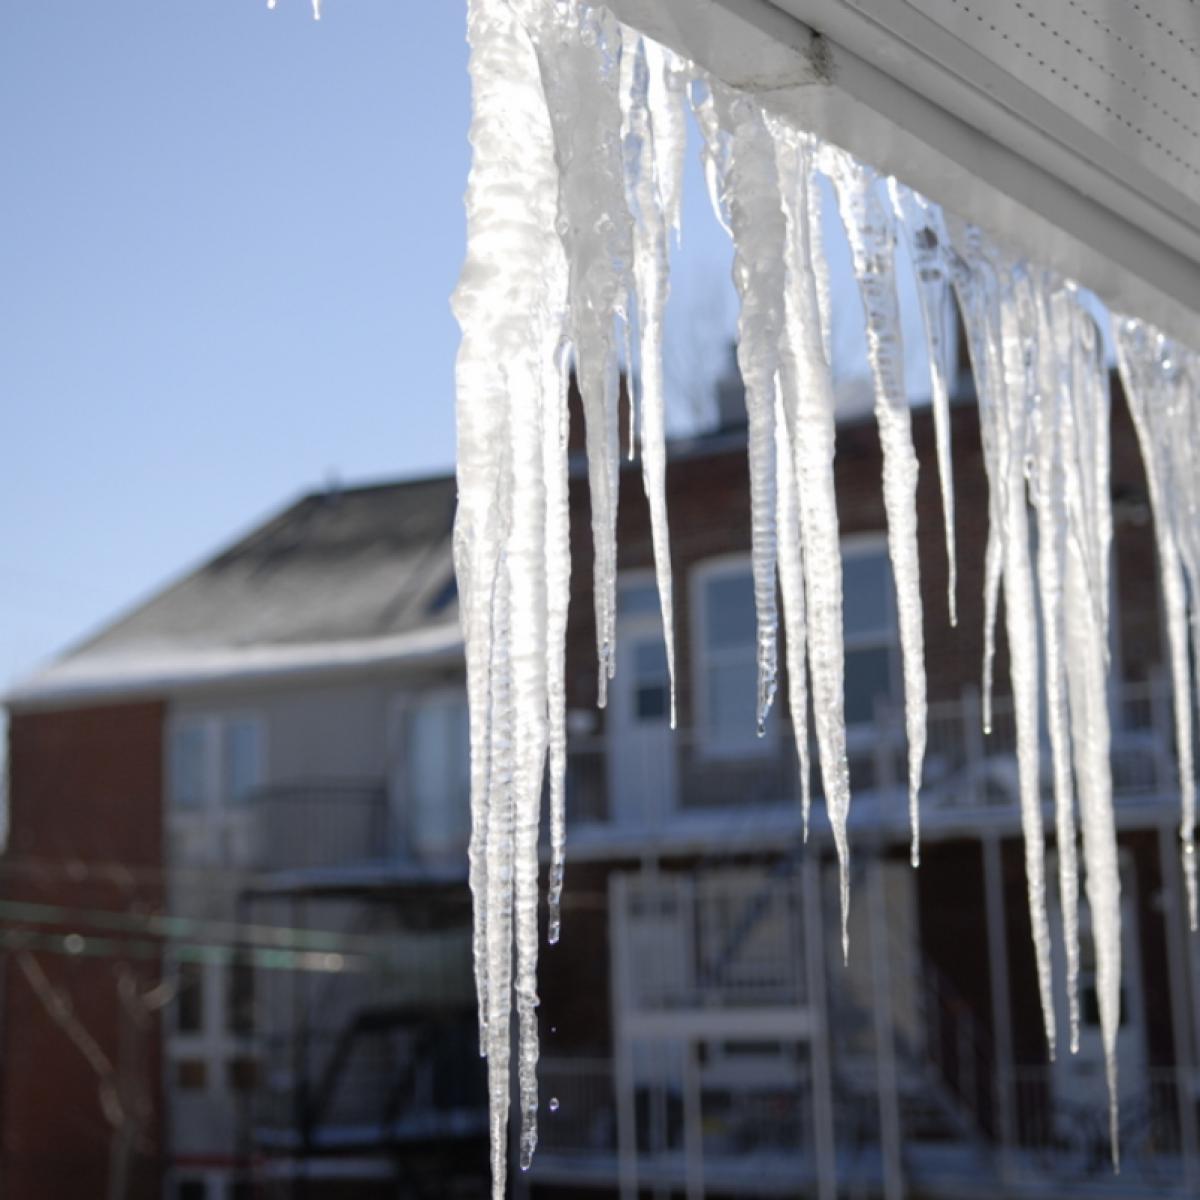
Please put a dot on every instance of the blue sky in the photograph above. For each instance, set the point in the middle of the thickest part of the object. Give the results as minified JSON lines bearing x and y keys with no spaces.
{"x":228,"y":239}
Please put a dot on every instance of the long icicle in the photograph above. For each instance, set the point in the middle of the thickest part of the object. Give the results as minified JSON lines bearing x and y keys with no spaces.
{"x":870,"y":227}
{"x":1018,"y":334}
{"x":653,"y":181}
{"x":928,"y":243}
{"x":1085,"y":415}
{"x":791,"y":588}
{"x":1049,"y":417}
{"x":750,"y":195}
{"x":1147,"y":362}
{"x":806,"y":393}
{"x":988,"y":299}
{"x":577,"y":61}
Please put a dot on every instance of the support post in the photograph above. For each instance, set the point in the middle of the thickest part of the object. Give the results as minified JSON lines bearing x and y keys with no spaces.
{"x":1181,"y":1029}
{"x":693,"y":1128}
{"x":623,"y":1076}
{"x":997,"y":935}
{"x":822,"y":1076}
{"x":885,"y":1046}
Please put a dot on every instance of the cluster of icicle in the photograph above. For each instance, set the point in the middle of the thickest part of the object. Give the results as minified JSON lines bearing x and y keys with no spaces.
{"x":578,"y":135}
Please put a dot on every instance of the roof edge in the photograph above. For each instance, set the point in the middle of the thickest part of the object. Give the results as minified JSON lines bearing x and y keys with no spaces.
{"x":154,"y":672}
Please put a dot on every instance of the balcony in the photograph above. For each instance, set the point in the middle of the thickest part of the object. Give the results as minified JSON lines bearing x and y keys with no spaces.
{"x":671,"y":783}
{"x":313,"y":825}
{"x":333,"y":835}
{"x":757,"y":1139}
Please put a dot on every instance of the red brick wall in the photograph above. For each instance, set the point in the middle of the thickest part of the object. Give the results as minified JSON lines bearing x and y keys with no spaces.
{"x":86,"y":839}
{"x":708,"y":505}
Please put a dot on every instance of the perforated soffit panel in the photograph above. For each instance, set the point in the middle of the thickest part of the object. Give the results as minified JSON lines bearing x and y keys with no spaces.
{"x":1068,"y":128}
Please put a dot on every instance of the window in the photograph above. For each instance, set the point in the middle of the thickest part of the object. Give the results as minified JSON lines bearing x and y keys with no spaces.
{"x":191,"y":1074}
{"x":189,"y":765}
{"x":869,"y":623}
{"x":239,"y":1009}
{"x":241,"y":767}
{"x":242,"y":1074}
{"x":214,"y":761}
{"x":437,"y":779}
{"x":728,"y":675}
{"x":189,"y":1003}
{"x":637,"y":599}
{"x":651,"y":684}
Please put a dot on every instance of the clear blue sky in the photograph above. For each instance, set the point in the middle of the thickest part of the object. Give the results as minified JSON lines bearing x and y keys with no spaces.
{"x":228,"y":238}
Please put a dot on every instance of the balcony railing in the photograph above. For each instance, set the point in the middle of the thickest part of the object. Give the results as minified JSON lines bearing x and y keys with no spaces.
{"x":761,"y":1135}
{"x":650,"y":780}
{"x":297,"y":826}
{"x":714,"y":940}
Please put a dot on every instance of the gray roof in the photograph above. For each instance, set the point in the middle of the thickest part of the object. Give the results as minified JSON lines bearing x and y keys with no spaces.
{"x":340,"y":577}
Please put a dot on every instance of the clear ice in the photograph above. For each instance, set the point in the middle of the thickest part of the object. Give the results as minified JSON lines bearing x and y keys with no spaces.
{"x":578,"y":139}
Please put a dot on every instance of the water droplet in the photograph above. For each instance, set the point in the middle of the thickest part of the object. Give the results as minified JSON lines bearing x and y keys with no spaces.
{"x":554,"y":1104}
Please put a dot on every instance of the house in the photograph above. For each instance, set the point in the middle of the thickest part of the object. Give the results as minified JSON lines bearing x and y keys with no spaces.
{"x":248,"y":795}
{"x":235,"y":895}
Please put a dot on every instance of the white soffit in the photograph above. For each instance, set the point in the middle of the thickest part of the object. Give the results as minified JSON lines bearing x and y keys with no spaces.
{"x":1070,"y":129}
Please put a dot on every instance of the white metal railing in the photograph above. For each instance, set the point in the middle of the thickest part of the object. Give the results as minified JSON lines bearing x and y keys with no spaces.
{"x":319,"y":824}
{"x":966,"y":770}
{"x":578,"y":1107}
{"x":1067,"y":1139}
{"x":751,"y":1128}
{"x":719,"y":939}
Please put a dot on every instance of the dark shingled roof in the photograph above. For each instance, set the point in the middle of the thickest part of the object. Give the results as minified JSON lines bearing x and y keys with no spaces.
{"x":354,"y":563}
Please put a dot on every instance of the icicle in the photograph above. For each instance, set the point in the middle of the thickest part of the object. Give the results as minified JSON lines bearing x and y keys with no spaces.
{"x":505,"y":541}
{"x":925,"y":232}
{"x":806,"y":394}
{"x":499,"y":877}
{"x":581,"y":60}
{"x":1162,"y":400}
{"x":750,"y":194}
{"x":558,"y":591}
{"x":1084,"y":413}
{"x":577,"y":60}
{"x":976,"y":289}
{"x":667,"y":99}
{"x":1019,"y":350}
{"x":316,"y":7}
{"x":870,"y":227}
{"x":650,"y":176}
{"x":1050,"y":398}
{"x":791,"y":587}
{"x":996,"y":307}
{"x":715,"y":149}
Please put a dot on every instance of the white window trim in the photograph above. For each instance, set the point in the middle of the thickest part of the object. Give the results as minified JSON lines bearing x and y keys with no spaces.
{"x":706,"y":745}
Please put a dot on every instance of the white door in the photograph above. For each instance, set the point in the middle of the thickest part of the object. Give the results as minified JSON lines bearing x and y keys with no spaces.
{"x":641,"y":754}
